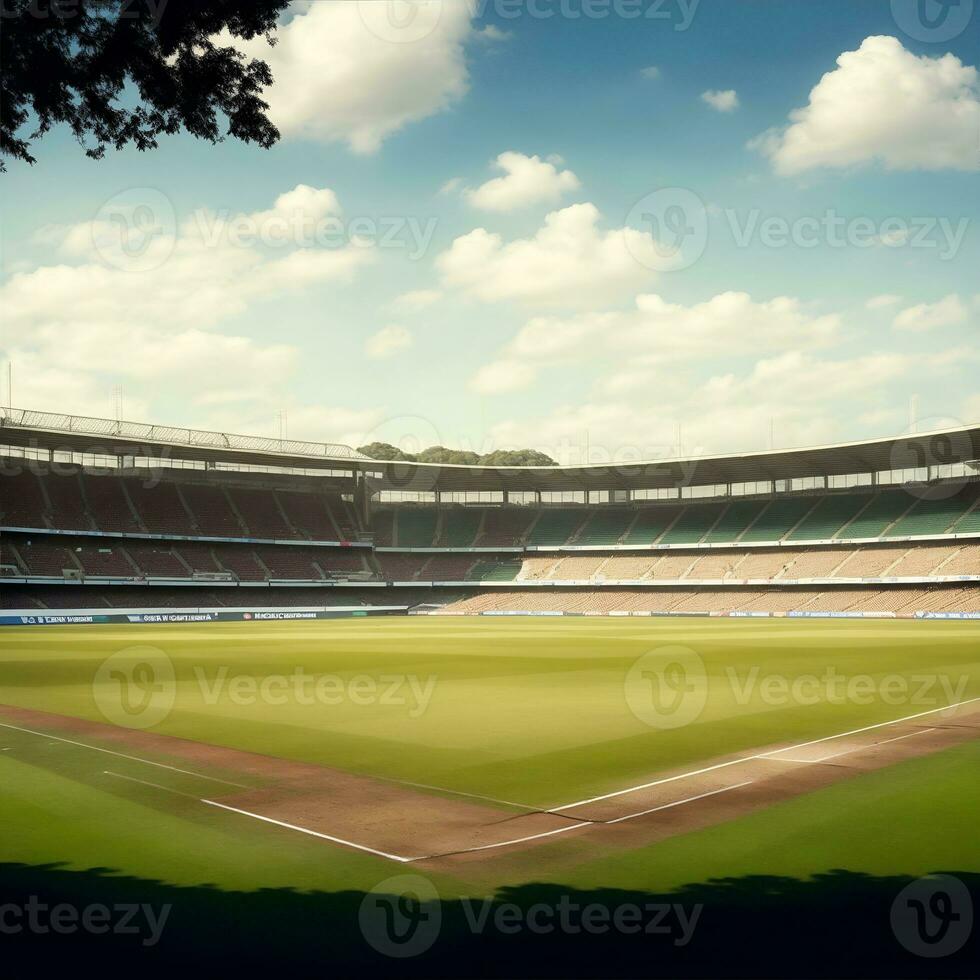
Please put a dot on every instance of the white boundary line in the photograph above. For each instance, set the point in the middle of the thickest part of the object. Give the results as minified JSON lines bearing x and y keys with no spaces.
{"x":313,"y":833}
{"x":749,"y":758}
{"x":516,"y":840}
{"x":143,"y":782}
{"x":122,"y":755}
{"x":859,"y":748}
{"x":690,"y":799}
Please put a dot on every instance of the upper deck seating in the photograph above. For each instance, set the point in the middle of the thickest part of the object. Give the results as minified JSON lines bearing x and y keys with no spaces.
{"x":460,"y":526}
{"x":21,"y":501}
{"x":779,"y":518}
{"x":693,"y":524}
{"x":108,"y":504}
{"x":417,"y":527}
{"x":733,"y":522}
{"x":828,"y":516}
{"x":211,"y":510}
{"x":260,"y":512}
{"x":556,"y":526}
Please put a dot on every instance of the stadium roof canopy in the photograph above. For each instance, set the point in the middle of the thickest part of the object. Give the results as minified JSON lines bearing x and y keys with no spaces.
{"x":108,"y":437}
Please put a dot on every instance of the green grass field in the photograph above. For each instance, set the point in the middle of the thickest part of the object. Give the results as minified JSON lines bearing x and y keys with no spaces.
{"x":533,"y":710}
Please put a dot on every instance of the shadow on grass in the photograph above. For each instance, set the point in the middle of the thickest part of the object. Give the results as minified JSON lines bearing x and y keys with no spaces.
{"x":835,"y":924}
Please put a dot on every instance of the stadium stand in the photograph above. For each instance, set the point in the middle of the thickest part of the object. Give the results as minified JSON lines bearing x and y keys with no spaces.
{"x":556,"y":526}
{"x":828,"y":516}
{"x":778,"y":519}
{"x":64,"y":491}
{"x":605,"y":527}
{"x":308,"y":514}
{"x":881,"y":511}
{"x":504,"y":527}
{"x":260,"y":511}
{"x":692,"y":524}
{"x":495,"y":571}
{"x":736,"y":519}
{"x":21,"y":500}
{"x":383,"y":526}
{"x":160,"y":509}
{"x":417,"y":527}
{"x":460,"y":526}
{"x":108,"y":504}
{"x":211,"y":511}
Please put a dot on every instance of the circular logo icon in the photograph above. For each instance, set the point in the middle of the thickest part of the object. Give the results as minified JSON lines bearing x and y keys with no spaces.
{"x":933,"y":916}
{"x":135,"y":230}
{"x":409,"y":434}
{"x":667,"y":230}
{"x":400,"y":21}
{"x":136,"y":687}
{"x":401,"y":916}
{"x":932,"y":20}
{"x":667,"y":687}
{"x":932,"y":450}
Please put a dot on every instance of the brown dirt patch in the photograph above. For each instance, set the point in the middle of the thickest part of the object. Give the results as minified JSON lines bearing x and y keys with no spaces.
{"x":439,"y":828}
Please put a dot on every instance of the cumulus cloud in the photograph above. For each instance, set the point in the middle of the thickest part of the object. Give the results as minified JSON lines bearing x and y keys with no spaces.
{"x":417,"y":299}
{"x":147,"y":318}
{"x":567,"y":263}
{"x":527,"y":180}
{"x":882,"y":302}
{"x":354,"y":73}
{"x":722,"y":100}
{"x":502,"y":376}
{"x":388,"y":341}
{"x":810,"y":400}
{"x":883,"y":103}
{"x":947,"y":312}
{"x":656,"y":332}
{"x":651,"y":72}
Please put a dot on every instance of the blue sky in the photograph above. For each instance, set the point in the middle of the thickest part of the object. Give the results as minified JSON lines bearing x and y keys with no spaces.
{"x":718,"y":218}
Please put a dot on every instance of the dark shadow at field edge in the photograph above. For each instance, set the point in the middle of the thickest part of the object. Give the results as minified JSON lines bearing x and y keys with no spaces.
{"x":835,"y":924}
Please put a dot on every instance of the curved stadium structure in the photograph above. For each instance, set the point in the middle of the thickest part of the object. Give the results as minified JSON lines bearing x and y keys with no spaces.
{"x":103,"y":519}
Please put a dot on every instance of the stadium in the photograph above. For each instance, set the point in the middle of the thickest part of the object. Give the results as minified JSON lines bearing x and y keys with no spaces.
{"x":303,"y":668}
{"x":100,"y":514}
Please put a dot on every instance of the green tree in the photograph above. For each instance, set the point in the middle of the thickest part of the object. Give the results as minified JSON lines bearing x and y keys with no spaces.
{"x":385,"y":451}
{"x":126,"y":71}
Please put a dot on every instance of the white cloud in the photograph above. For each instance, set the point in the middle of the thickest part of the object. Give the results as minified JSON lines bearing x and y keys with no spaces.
{"x":810,"y":401}
{"x":946,"y":312}
{"x":651,"y":72}
{"x":567,"y":263}
{"x":358,"y":72}
{"x":883,"y":301}
{"x":658,"y":331}
{"x":88,"y":320}
{"x":883,"y":103}
{"x":417,"y":299}
{"x":502,"y":376}
{"x":388,"y":341}
{"x":527,"y":180}
{"x":723,"y":100}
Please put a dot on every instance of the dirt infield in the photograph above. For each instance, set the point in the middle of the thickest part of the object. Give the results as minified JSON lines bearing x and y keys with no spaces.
{"x":410,"y":823}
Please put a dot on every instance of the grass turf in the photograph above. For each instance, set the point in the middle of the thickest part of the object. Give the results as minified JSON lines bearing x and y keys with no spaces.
{"x":532,"y":710}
